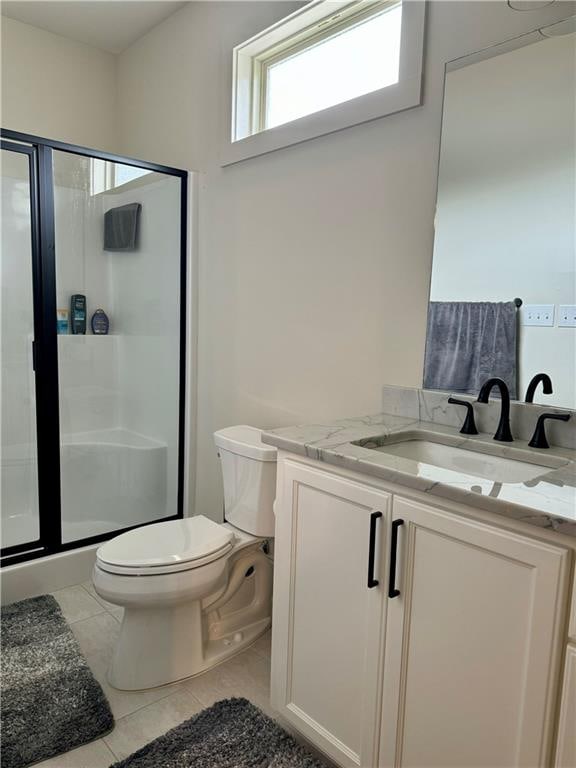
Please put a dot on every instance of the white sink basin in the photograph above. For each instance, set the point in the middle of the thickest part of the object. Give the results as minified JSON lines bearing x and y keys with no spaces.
{"x":478,"y":461}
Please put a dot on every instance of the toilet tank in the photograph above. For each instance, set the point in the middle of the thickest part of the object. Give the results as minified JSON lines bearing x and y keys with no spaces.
{"x":249,"y":475}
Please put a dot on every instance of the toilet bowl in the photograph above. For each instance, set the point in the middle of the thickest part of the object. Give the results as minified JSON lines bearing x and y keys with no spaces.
{"x":194,"y":591}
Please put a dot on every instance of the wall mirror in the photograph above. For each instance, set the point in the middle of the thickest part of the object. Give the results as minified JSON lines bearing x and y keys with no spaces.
{"x":503,"y":288}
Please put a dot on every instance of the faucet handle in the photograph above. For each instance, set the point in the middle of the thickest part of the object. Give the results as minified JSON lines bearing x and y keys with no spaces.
{"x":539,"y":437}
{"x":469,"y":426}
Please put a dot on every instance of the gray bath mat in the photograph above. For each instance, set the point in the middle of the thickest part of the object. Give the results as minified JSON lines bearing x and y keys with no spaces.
{"x":51,"y":702}
{"x":230,"y":734}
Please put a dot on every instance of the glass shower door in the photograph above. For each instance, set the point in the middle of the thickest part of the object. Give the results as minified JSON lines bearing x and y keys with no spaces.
{"x":118,"y":292}
{"x":93,"y":343}
{"x":20,"y":521}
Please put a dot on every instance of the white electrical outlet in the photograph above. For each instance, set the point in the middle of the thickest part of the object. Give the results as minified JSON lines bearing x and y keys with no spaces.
{"x":538,"y":314}
{"x":567,"y":316}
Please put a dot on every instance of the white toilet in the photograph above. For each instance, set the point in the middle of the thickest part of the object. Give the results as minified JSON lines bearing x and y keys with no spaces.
{"x":194,"y":592}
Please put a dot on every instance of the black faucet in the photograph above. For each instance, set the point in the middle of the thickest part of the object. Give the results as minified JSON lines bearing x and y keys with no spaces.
{"x":469,"y":426}
{"x":546,"y":386}
{"x":539,"y":437}
{"x":503,"y":433}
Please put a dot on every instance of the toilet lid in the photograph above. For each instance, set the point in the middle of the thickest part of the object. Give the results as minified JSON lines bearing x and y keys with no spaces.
{"x":169,"y":543}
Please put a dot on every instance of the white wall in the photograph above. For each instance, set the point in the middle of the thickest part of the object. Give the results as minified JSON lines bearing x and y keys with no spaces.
{"x":314,"y":260}
{"x":57,"y":88}
{"x":505,"y":223}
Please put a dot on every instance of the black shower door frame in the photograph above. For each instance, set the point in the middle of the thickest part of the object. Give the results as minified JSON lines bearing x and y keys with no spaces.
{"x":45,"y":343}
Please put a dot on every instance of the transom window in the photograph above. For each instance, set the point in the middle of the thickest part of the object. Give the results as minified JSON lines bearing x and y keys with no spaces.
{"x":328,"y":66}
{"x":338,"y":62}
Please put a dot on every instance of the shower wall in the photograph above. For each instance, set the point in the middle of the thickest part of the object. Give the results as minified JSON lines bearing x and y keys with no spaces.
{"x":88,"y":373}
{"x":119,"y":390}
{"x":145,"y":308}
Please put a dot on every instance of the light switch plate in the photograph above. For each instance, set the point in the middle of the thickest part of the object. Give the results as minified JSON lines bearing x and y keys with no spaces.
{"x":538,"y":314}
{"x":567,"y":316}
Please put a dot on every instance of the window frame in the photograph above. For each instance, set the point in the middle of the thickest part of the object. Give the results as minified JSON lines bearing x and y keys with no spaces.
{"x":351,"y":16}
{"x":244,"y":133}
{"x":103,"y":176}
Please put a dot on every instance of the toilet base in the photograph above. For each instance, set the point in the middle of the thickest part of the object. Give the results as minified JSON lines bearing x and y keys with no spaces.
{"x":162,"y":641}
{"x":173,"y":649}
{"x":222,"y":649}
{"x":181,"y":623}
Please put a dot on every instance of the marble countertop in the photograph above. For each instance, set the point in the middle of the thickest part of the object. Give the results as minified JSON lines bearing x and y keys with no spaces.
{"x":547,"y":500}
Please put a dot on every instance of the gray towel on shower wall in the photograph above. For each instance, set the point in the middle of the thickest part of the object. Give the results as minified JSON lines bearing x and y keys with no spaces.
{"x":121,"y":227}
{"x":469,"y":342}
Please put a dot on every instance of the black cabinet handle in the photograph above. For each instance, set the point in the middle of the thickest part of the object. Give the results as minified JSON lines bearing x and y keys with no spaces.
{"x":392,"y":591}
{"x":372,"y":582}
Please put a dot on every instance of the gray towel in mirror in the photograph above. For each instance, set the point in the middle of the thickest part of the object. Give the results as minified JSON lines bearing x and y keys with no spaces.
{"x":469,"y":342}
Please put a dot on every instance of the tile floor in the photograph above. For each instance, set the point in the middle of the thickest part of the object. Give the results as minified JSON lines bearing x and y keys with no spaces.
{"x":142,"y":716}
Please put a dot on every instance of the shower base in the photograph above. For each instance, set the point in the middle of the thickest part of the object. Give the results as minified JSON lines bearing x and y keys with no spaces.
{"x":111,"y":479}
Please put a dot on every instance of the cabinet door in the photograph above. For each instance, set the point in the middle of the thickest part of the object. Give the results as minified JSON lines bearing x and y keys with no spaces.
{"x":328,"y":624}
{"x":566,"y":750}
{"x":473,"y":644}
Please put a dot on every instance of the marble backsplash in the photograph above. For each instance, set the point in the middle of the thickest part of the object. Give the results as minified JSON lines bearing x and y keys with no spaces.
{"x":432,"y":406}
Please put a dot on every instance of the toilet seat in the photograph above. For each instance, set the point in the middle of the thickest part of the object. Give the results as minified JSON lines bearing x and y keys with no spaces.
{"x":169,"y":547}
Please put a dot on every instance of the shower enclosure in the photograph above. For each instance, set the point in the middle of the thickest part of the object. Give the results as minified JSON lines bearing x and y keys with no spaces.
{"x":92,"y":415}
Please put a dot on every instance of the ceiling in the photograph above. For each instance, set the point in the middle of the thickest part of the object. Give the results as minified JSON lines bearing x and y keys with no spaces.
{"x":111,"y":25}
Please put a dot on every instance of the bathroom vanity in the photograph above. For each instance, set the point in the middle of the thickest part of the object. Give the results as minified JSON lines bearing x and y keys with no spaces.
{"x":424,"y":611}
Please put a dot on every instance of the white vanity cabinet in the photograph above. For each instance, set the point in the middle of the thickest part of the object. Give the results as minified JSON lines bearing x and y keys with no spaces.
{"x":328,"y":624}
{"x":566,"y":750}
{"x":566,"y":746}
{"x":459,"y":669}
{"x":473,"y":644}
